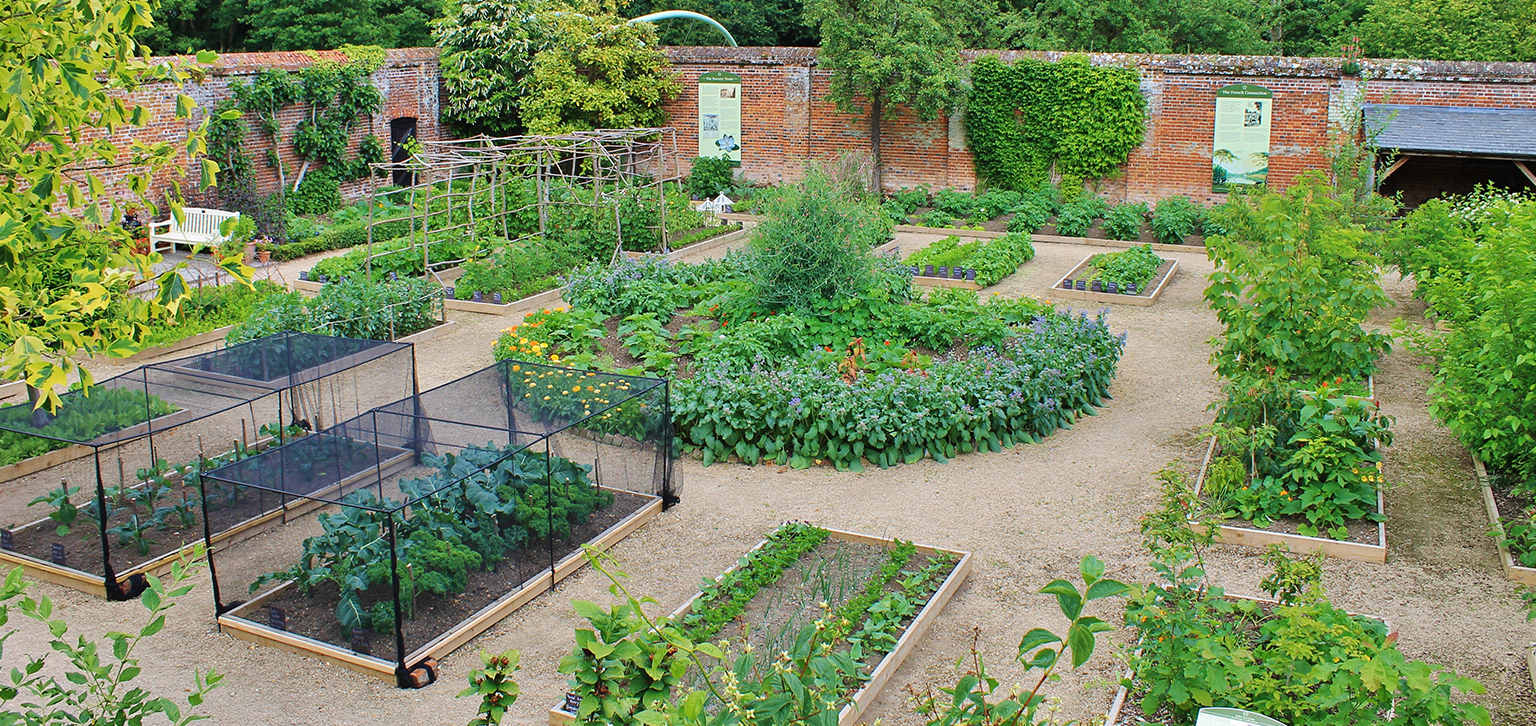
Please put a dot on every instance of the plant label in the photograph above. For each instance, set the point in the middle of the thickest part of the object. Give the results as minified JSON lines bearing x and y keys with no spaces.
{"x":572,"y":703}
{"x":360,"y":642}
{"x":7,"y":540}
{"x":58,"y":554}
{"x":276,"y":618}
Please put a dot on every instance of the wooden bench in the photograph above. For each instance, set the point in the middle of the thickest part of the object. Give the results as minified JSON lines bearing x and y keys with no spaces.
{"x":201,"y":227}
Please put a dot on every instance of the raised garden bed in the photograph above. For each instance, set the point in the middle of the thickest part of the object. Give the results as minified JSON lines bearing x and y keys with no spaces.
{"x":846,"y":564}
{"x":309,"y":623}
{"x":1122,"y":709}
{"x":1367,"y":543}
{"x":69,"y":453}
{"x":1491,"y":499}
{"x":1144,"y":296}
{"x":226,"y":520}
{"x":212,"y":336}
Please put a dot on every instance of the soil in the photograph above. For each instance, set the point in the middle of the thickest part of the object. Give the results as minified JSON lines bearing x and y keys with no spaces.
{"x":1029,"y":514}
{"x":314,"y":616}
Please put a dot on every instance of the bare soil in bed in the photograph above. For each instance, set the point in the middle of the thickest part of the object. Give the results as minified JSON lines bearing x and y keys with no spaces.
{"x":314,"y":616}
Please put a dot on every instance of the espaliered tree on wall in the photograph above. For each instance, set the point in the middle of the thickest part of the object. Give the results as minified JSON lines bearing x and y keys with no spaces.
{"x":890,"y":53}
{"x":548,"y":67}
{"x":1025,"y":118}
{"x":336,"y":96}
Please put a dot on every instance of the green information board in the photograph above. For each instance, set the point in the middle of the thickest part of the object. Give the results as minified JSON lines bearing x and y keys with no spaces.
{"x":1240,"y":145}
{"x":720,"y":115}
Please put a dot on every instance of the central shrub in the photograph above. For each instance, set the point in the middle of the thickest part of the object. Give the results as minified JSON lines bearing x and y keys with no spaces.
{"x":814,"y":245}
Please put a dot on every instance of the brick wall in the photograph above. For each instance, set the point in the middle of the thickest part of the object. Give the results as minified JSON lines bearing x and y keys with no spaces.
{"x":409,"y":80}
{"x":785,"y":120}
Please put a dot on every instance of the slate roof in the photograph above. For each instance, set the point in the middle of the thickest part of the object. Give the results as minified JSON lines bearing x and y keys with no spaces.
{"x":1502,"y":132}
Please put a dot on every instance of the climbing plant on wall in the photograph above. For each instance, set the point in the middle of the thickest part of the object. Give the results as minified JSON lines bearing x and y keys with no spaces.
{"x":1026,"y":117}
{"x":334,"y":96}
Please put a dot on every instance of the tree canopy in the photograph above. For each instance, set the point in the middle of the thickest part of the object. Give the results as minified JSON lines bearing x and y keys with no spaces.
{"x":545,"y":66}
{"x":65,"y":264}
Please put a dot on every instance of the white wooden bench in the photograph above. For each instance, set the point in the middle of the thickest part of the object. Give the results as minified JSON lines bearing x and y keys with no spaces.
{"x":200,"y":228}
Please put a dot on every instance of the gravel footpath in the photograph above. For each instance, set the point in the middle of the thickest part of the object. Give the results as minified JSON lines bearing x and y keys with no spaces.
{"x":1029,"y":514}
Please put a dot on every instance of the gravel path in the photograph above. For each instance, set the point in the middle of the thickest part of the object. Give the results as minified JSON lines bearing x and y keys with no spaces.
{"x":1028,"y":514}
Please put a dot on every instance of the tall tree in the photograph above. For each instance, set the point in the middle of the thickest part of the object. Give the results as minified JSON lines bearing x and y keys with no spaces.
{"x":890,"y":53}
{"x":545,"y":66}
{"x":751,"y":22}
{"x":1474,"y":30}
{"x":330,"y":24}
{"x":65,"y":265}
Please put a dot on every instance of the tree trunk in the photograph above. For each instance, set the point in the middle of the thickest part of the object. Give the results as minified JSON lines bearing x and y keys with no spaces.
{"x":40,"y":416}
{"x":876,"y":111}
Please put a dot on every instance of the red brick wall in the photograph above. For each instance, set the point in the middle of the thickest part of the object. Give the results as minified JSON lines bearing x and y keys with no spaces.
{"x":409,"y":80}
{"x":782,"y":128}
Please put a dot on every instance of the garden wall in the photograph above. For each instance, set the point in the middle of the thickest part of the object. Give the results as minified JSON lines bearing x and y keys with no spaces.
{"x":409,"y":80}
{"x":785,"y":121}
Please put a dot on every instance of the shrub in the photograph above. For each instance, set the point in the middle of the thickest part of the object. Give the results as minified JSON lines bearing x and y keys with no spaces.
{"x":936,"y":218}
{"x":1124,"y":221}
{"x":909,"y":200}
{"x":1031,"y":213}
{"x":709,"y":176}
{"x":955,"y":203}
{"x":318,"y":193}
{"x":1478,"y":276}
{"x":1074,"y":218}
{"x":814,"y":244}
{"x":337,"y":237}
{"x":1292,"y":289}
{"x":1174,"y":219}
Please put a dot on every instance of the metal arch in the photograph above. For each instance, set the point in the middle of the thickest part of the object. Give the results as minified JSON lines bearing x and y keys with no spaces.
{"x":690,"y":15}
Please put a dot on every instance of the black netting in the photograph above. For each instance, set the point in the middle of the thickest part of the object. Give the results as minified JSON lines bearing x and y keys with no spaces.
{"x":108,"y":489}
{"x":402,"y":527}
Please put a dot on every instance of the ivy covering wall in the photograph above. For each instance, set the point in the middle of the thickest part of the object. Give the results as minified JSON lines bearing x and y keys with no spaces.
{"x":1026,"y":117}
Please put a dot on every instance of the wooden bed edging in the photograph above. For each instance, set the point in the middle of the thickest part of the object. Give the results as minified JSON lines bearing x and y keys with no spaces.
{"x":27,"y":467}
{"x":1138,"y":300}
{"x":235,"y":623}
{"x":1512,"y":571}
{"x":1119,"y":243}
{"x":888,"y":665}
{"x":212,"y":336}
{"x":1299,"y":543}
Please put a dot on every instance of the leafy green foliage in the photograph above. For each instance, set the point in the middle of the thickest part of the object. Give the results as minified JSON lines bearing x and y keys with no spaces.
{"x":64,"y":511}
{"x":967,"y":704}
{"x":1001,"y":257}
{"x":722,"y":599}
{"x":1024,"y":118}
{"x":97,"y":676}
{"x":83,"y":416}
{"x":381,"y":310}
{"x":402,"y":256}
{"x":1293,"y":285}
{"x":1473,"y":270}
{"x":547,"y":66}
{"x":1302,"y":660}
{"x":1124,"y":221}
{"x":494,"y":685}
{"x":1136,"y":266}
{"x":1174,"y":219}
{"x":644,"y":337}
{"x":67,"y":264}
{"x":814,"y":244}
{"x":209,"y":308}
{"x":1474,"y":30}
{"x":709,"y":176}
{"x":1074,"y":218}
{"x":947,"y":251}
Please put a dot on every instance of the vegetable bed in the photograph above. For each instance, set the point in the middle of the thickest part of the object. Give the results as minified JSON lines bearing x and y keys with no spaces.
{"x":1512,"y":522}
{"x":882,"y":594}
{"x":1138,"y":269}
{"x":981,"y":262}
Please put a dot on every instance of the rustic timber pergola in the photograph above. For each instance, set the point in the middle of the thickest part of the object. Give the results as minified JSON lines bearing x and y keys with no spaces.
{"x":465,"y":187}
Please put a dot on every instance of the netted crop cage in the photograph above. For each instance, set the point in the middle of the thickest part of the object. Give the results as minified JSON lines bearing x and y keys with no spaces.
{"x":468,"y":197}
{"x":417,"y":525}
{"x":109,"y":489}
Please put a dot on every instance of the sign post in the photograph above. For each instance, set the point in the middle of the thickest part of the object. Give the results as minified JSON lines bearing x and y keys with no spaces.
{"x":1233,"y":717}
{"x":1240,"y":145}
{"x":720,"y":115}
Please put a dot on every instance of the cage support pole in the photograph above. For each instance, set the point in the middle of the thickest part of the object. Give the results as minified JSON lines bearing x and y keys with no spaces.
{"x":402,"y":674}
{"x":108,"y":576}
{"x":202,"y":492}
